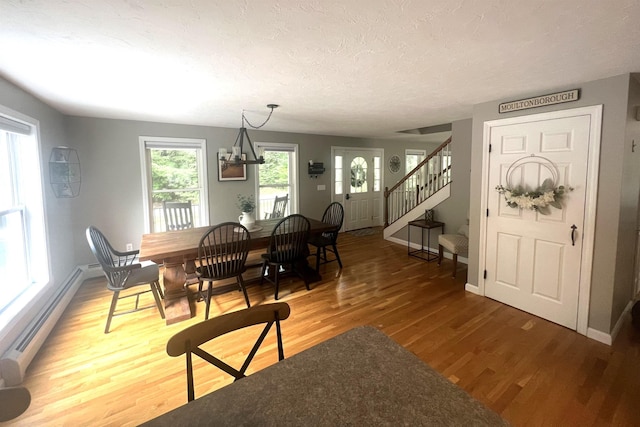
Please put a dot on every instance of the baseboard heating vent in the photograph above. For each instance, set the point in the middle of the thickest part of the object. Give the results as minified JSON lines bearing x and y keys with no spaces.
{"x":15,"y":361}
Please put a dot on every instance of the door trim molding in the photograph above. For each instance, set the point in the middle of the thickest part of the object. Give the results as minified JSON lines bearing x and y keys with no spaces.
{"x":591,"y":195}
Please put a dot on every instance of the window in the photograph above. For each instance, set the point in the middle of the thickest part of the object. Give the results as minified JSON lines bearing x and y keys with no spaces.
{"x":338,"y":174}
{"x":23,"y":245}
{"x":413,"y":158}
{"x":377,"y":173}
{"x":359,"y":169}
{"x":277,"y":177}
{"x":174,"y":170}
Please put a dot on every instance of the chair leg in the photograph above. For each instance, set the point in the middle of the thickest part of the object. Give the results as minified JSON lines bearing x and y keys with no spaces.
{"x":155,"y":286}
{"x":208,"y":302}
{"x":335,"y":252}
{"x":264,"y":270}
{"x":160,"y":291}
{"x":318,"y":259}
{"x":440,"y":254}
{"x":455,"y":265}
{"x":244,"y":290}
{"x":277,"y":279}
{"x":112,"y":308}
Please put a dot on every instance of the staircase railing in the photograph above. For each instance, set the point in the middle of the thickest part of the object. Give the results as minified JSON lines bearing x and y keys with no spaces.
{"x":433,"y":173}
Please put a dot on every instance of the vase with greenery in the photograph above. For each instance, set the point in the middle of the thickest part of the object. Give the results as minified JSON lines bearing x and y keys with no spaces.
{"x":246,"y":203}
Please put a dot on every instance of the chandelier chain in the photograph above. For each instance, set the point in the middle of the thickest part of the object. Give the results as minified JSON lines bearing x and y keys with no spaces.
{"x":244,"y":119}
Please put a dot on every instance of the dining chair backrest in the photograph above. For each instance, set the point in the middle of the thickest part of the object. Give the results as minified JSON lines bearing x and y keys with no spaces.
{"x":117,"y":266}
{"x":223,"y":250}
{"x":189,"y":340}
{"x":279,"y":207}
{"x":289,"y":239}
{"x":178,"y":215}
{"x":334,"y":215}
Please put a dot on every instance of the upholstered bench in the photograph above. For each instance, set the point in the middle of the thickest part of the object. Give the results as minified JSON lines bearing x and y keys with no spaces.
{"x":457,"y":244}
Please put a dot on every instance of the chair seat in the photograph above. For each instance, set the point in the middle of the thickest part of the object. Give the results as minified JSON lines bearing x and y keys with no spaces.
{"x":320,"y":240}
{"x":454,"y":243}
{"x":230,"y":267}
{"x":147,"y":273}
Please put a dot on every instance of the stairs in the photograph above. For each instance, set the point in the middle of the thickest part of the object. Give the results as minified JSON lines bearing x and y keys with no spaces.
{"x":423,"y":188}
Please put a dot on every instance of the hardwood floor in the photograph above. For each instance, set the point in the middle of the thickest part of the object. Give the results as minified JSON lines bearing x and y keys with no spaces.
{"x":530,"y":371}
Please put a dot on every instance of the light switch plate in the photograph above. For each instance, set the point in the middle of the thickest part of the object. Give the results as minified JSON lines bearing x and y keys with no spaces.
{"x":322,"y":187}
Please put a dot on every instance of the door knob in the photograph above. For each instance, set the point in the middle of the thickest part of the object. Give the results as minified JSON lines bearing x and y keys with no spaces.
{"x":347,"y":197}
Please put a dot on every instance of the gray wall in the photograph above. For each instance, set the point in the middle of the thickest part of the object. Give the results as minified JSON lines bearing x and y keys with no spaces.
{"x":613,"y":94}
{"x":112,"y":198}
{"x":624,"y":284}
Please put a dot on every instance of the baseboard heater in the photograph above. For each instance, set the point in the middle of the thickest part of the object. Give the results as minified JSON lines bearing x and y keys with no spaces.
{"x":15,"y":361}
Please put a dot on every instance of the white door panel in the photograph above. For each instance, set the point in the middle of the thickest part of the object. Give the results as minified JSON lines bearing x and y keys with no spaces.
{"x":531,"y":261}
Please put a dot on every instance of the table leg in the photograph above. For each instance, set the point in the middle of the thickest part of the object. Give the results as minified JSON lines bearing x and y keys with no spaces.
{"x":176,"y":301}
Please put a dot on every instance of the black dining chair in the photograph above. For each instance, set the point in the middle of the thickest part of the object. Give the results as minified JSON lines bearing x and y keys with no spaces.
{"x":222,"y":254}
{"x":287,"y":250}
{"x":189,"y":340}
{"x":123,"y":271}
{"x":334,"y":215}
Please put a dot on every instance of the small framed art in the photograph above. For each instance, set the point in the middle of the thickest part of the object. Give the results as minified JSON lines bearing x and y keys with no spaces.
{"x":231,"y":171}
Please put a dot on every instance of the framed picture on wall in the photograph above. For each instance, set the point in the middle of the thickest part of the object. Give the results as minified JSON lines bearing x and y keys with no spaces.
{"x":232,"y":172}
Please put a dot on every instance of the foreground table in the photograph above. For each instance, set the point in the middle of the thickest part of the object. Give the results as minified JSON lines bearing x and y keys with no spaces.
{"x":361,"y":377}
{"x":175,"y":248}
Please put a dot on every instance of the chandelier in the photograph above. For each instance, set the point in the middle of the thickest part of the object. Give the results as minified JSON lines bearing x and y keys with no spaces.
{"x":237,"y":150}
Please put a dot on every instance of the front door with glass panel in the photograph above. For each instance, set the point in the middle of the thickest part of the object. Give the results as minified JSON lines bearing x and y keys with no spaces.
{"x":358,"y":180}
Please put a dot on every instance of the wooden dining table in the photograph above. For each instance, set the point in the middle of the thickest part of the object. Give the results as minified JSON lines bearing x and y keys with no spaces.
{"x":175,"y":249}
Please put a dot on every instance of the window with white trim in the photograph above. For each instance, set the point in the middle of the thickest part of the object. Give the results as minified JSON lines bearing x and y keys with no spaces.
{"x":278,"y":176}
{"x":23,"y":243}
{"x":174,"y":170}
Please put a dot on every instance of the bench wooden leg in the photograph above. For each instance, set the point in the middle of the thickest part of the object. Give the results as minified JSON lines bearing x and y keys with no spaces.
{"x":455,"y":265}
{"x":440,"y":253}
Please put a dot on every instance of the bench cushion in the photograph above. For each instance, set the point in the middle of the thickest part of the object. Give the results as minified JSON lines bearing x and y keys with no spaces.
{"x":454,"y":243}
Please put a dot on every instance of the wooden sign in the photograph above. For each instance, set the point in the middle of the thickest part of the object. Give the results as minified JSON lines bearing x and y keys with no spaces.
{"x":540,"y":101}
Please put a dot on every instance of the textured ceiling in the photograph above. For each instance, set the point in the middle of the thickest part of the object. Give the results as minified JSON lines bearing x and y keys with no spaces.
{"x":346,"y":67}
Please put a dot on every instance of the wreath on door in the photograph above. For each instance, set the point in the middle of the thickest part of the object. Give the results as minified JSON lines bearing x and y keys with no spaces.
{"x":539,"y":199}
{"x":358,"y":176}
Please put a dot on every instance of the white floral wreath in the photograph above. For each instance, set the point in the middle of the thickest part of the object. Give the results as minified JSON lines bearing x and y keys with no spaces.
{"x":548,"y":194}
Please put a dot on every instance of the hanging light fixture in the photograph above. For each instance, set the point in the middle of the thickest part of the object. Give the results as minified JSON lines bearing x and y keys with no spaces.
{"x":238,"y":147}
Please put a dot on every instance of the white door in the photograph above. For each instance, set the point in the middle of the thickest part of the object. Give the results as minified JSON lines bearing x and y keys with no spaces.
{"x":533,"y":261}
{"x":361,"y":186}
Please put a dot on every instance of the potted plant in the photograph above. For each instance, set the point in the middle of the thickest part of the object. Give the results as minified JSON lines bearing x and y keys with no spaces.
{"x":247,"y":205}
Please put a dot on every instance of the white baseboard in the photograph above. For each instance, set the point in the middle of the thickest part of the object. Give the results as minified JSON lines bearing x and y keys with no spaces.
{"x":34,"y":329}
{"x":472,"y":288}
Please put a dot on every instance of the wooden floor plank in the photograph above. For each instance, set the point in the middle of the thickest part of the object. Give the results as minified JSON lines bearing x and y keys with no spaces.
{"x":530,"y":371}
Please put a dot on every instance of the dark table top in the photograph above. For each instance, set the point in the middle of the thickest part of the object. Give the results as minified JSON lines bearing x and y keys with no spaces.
{"x":426,"y":224}
{"x":361,"y":377}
